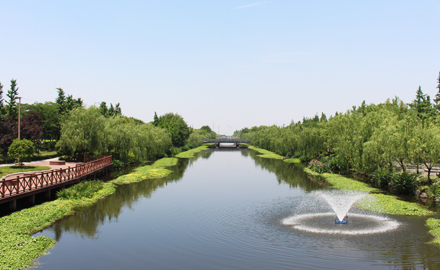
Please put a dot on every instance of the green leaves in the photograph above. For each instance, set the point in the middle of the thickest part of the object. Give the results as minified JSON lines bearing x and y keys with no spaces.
{"x":21,"y":150}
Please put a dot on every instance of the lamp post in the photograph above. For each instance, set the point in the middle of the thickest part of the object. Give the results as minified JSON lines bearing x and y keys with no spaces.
{"x":19,"y":116}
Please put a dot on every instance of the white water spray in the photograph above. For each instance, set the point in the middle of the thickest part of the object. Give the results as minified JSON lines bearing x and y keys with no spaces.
{"x":341,"y":201}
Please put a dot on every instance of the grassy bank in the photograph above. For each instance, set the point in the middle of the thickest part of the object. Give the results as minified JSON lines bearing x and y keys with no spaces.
{"x":292,"y":160}
{"x":19,"y":249}
{"x":190,"y":153}
{"x":157,"y":170}
{"x":265,"y":153}
{"x":16,"y":169}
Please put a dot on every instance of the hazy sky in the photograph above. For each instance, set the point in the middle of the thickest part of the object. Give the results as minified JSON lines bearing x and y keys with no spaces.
{"x":231,"y":63}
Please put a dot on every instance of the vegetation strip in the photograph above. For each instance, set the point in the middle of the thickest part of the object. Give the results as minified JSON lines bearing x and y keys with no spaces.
{"x":386,"y":204}
{"x":190,"y":153}
{"x":19,"y":249}
{"x":157,"y":170}
{"x":292,"y":160}
{"x":266,"y":153}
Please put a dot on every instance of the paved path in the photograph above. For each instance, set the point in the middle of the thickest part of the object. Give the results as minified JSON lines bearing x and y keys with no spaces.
{"x":45,"y":162}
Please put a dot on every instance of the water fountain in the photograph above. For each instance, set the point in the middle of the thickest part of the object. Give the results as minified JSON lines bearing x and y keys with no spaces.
{"x":325,"y":211}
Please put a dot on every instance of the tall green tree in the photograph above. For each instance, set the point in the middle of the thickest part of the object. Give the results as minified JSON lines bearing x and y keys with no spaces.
{"x":103,"y":108}
{"x":437,"y":97}
{"x":12,"y":104}
{"x":177,"y":127}
{"x":422,"y":104}
{"x":61,"y":101}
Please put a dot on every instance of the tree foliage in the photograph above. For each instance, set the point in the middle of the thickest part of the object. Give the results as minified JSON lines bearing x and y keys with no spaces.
{"x":87,"y":131}
{"x":21,"y":150}
{"x":176,"y":126}
{"x":12,"y":94}
{"x":364,"y":139}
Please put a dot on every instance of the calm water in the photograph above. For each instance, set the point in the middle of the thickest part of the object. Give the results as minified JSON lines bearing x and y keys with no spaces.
{"x":223,"y":210}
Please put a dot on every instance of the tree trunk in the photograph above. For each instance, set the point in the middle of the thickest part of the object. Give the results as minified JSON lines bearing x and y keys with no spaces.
{"x":429,"y":173}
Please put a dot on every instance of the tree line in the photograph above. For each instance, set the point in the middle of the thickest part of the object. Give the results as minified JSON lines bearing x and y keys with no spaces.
{"x":366,"y":139}
{"x":71,"y":129}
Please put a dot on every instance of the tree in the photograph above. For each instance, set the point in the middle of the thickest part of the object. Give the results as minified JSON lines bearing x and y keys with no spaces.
{"x":8,"y":132}
{"x":437,"y":96}
{"x":21,"y":150}
{"x":155,"y":119}
{"x":207,"y":128}
{"x":61,"y":101}
{"x":177,"y":127}
{"x":422,"y":104}
{"x":31,"y":127}
{"x":111,"y":110}
{"x":118,"y":110}
{"x":426,"y":147}
{"x":82,"y":132}
{"x":12,"y":104}
{"x":103,"y":108}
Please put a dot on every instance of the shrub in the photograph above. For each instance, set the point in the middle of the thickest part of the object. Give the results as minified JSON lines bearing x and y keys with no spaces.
{"x":85,"y":189}
{"x":185,"y":148}
{"x":118,"y":164}
{"x":319,"y":167}
{"x":403,"y":183}
{"x":381,"y":178}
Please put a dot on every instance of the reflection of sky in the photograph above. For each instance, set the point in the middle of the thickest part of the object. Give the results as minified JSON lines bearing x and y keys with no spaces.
{"x":227,"y":64}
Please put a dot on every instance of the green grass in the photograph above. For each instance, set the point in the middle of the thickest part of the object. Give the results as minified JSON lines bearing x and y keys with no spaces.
{"x":190,"y":153}
{"x":292,"y":160}
{"x":157,"y":170}
{"x":18,"y":249}
{"x":266,"y":153}
{"x":381,"y":203}
{"x":166,"y":162}
{"x":16,"y":169}
{"x":47,"y":154}
{"x":434,"y":225}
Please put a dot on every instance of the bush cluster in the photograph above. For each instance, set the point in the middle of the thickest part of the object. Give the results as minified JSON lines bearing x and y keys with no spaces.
{"x":319,"y":167}
{"x":395,"y":182}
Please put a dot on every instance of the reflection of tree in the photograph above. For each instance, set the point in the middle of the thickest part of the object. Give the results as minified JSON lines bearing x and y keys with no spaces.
{"x":292,"y":174}
{"x":86,"y":222}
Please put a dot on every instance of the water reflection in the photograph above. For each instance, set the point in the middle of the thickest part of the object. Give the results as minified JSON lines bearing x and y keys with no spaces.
{"x":85,"y":223}
{"x":291,"y":174}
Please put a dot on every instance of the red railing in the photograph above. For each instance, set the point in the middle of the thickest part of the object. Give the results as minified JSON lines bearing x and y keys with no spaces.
{"x":39,"y":180}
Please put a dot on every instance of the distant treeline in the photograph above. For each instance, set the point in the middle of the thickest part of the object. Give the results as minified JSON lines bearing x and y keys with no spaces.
{"x":363,"y":139}
{"x":73,"y":130}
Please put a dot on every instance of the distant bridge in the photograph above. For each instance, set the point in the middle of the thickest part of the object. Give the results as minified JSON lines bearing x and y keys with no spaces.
{"x":219,"y":140}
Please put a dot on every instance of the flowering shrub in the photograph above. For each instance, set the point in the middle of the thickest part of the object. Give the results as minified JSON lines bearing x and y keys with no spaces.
{"x":319,"y":167}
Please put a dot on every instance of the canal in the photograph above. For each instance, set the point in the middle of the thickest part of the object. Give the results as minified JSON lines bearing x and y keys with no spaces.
{"x":223,"y":210}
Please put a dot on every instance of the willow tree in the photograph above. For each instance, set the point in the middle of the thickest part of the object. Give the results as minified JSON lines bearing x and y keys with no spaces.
{"x":425,"y":146}
{"x":82,"y":132}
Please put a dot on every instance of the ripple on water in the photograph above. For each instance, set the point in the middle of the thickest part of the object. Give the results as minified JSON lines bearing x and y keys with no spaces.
{"x":356,"y":224}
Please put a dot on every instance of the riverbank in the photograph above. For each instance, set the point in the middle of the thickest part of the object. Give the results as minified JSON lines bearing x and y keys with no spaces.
{"x":190,"y":153}
{"x":19,"y":249}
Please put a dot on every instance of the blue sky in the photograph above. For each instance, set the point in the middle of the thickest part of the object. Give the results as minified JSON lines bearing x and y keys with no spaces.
{"x":228,"y":63}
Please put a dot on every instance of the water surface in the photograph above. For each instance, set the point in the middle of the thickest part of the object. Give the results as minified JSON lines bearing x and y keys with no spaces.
{"x":223,"y":210}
